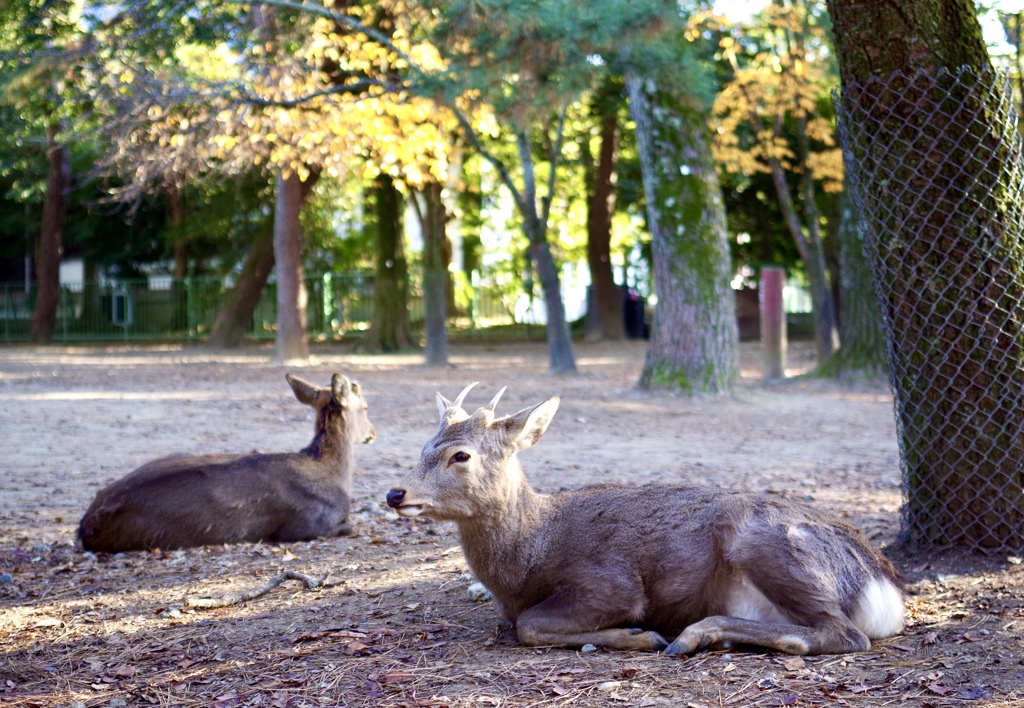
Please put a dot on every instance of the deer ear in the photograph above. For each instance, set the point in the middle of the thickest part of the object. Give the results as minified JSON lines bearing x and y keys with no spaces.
{"x":525,"y":428}
{"x":304,"y":391}
{"x":339,"y":390}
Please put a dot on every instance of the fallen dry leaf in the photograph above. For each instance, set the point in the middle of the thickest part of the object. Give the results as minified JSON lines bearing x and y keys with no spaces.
{"x":940,"y":689}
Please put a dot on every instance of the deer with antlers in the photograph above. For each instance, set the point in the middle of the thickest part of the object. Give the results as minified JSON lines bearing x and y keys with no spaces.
{"x":626,"y":567}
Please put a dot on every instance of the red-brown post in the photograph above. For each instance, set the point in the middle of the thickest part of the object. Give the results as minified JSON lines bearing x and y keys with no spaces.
{"x":773,"y":321}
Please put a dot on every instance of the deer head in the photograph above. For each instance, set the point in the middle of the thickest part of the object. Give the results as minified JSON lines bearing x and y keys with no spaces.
{"x":342,"y":401}
{"x":469,"y":467}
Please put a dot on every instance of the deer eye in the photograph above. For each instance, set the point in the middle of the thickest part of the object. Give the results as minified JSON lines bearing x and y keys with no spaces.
{"x":459,"y":456}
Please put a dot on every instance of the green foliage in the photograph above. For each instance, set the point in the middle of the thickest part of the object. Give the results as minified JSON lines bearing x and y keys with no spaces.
{"x":757,"y":234}
{"x":524,"y":57}
{"x":334,"y":238}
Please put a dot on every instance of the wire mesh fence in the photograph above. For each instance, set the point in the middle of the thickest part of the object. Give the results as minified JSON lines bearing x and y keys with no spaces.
{"x":935,"y":163}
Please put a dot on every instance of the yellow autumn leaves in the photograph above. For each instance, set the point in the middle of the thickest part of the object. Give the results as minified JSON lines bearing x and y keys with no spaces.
{"x":777,"y":96}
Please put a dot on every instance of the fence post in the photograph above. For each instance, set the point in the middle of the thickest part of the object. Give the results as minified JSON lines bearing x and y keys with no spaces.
{"x":327,"y":303}
{"x":190,"y":319}
{"x":63,"y":313}
{"x":773,"y":322}
{"x":474,"y":301}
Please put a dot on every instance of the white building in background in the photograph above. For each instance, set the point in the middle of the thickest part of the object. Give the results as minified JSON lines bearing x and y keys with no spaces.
{"x":72,"y":273}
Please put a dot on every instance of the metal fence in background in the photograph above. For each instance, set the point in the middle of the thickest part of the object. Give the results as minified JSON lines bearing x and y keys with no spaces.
{"x":935,"y":161}
{"x":162,"y":308}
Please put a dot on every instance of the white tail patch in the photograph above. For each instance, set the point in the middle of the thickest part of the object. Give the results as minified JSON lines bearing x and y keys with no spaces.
{"x":880,"y":611}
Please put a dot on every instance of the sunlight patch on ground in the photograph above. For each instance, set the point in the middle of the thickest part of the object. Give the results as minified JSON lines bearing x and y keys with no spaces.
{"x":127,"y":396}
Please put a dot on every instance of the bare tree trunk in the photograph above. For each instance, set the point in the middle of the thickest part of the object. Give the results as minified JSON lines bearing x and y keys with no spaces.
{"x":600,"y":206}
{"x":433,"y":220}
{"x":291,"y":285}
{"x":236,"y":313}
{"x":389,"y":330}
{"x":51,"y":235}
{"x":862,"y":351}
{"x":807,"y":238}
{"x":176,"y":220}
{"x":694,"y":339}
{"x":561,"y":359}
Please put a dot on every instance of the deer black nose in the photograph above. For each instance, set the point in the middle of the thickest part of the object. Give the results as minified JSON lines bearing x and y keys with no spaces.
{"x":395,"y":497}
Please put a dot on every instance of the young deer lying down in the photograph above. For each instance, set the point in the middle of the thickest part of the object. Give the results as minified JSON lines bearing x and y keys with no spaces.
{"x":621,"y":567}
{"x":182,"y":501}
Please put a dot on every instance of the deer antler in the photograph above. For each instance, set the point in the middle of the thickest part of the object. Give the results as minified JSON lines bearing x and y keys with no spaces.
{"x":497,"y":397}
{"x":447,"y":408}
{"x":462,"y":396}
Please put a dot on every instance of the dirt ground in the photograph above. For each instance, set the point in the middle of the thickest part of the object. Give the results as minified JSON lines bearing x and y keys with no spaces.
{"x":394,"y":624}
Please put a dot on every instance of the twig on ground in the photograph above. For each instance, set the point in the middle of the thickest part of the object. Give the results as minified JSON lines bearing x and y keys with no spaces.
{"x":234,"y":598}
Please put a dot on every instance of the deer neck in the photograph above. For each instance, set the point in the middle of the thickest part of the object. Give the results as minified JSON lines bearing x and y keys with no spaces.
{"x":502,"y":542}
{"x":333,"y":449}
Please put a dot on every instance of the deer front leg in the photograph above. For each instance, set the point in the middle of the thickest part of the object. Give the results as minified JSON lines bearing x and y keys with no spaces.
{"x":788,"y":638}
{"x":555,"y":622}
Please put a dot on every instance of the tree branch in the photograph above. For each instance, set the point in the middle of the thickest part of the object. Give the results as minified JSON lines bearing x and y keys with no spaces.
{"x":506,"y":177}
{"x":234,"y":598}
{"x":340,"y":18}
{"x":555,"y":154}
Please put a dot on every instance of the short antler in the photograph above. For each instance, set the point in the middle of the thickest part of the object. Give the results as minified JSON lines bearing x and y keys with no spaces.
{"x":497,"y":397}
{"x":449,"y":409}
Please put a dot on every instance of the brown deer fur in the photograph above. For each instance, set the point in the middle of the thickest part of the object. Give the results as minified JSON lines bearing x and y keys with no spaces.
{"x":620,"y":567}
{"x":182,"y":501}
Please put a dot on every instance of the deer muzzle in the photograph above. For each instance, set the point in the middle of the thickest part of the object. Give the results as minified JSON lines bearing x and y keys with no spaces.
{"x":396,"y":500}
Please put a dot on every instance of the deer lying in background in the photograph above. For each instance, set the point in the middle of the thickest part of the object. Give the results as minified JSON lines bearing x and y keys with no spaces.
{"x":597,"y":564}
{"x":183,"y":501}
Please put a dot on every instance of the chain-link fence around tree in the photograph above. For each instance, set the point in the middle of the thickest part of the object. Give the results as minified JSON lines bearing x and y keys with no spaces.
{"x":935,"y":161}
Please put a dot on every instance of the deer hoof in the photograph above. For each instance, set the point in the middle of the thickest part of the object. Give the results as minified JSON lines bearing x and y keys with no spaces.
{"x":659,"y":642}
{"x":684,"y":645}
{"x":673,"y":649}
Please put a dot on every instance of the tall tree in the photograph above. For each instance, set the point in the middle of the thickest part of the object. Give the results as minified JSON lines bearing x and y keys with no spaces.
{"x":291,"y":179}
{"x":433,"y":218}
{"x":36,"y":38}
{"x":772,"y":117}
{"x":530,"y":62}
{"x":600,"y":183}
{"x":389,"y":330}
{"x":935,"y":161}
{"x":290,"y":339}
{"x":50,"y":239}
{"x":694,"y":337}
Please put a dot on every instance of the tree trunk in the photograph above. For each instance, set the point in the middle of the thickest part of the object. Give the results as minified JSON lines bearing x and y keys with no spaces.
{"x":694,"y":339}
{"x":179,"y":293}
{"x":608,"y":324}
{"x":861,"y":353}
{"x":808,"y":243}
{"x":389,"y":330}
{"x":236,"y":313}
{"x":291,"y":285}
{"x":433,"y":220}
{"x":561,"y":359}
{"x":935,"y":160}
{"x":51,"y":235}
